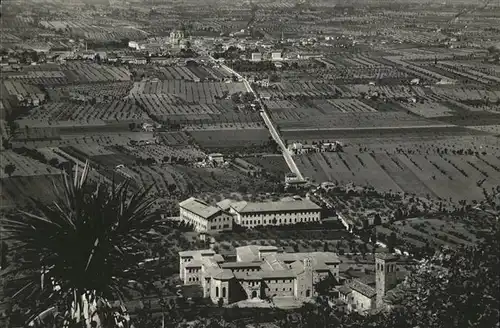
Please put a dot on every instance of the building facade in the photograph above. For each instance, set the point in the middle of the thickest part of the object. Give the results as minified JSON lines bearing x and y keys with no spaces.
{"x":373,"y":292}
{"x":204,"y":217}
{"x":208,"y":218}
{"x":250,"y":215}
{"x":259,"y":272}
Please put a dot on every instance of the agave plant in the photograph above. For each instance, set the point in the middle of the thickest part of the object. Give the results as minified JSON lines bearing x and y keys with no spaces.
{"x":77,"y":253}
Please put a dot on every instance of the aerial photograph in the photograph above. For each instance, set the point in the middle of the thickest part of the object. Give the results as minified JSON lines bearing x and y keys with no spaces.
{"x":250,"y":163}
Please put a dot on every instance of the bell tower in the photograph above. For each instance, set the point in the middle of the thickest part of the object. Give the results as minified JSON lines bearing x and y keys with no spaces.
{"x":308,"y":278}
{"x":385,"y":275}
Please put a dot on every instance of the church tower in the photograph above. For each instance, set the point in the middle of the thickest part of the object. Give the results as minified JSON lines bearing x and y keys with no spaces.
{"x":385,"y":275}
{"x":308,"y":278}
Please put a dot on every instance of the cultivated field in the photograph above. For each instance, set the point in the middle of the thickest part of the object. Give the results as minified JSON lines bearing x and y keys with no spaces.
{"x":60,"y":112}
{"x":191,"y":92}
{"x":174,"y":109}
{"x":375,"y":135}
{"x":273,"y":164}
{"x":428,"y":109}
{"x":21,"y":90}
{"x":164,"y":154}
{"x":449,"y":176}
{"x":16,"y":191}
{"x":70,"y":73}
{"x":191,"y":73}
{"x":90,"y":31}
{"x":23,"y":166}
{"x":112,"y":90}
{"x":227,"y":139}
{"x":174,"y":138}
{"x":304,"y":119}
{"x":434,"y":232}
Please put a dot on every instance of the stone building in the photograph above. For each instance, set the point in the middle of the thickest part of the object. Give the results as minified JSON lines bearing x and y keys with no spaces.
{"x":252,"y":214}
{"x":259,"y":272}
{"x":367,"y":293}
{"x":204,"y":217}
{"x":207,"y":218}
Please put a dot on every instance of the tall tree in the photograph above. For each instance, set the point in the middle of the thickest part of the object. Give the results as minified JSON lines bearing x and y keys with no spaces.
{"x":76,"y":254}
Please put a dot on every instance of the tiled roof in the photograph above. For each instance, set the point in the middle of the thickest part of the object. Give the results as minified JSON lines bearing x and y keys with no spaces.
{"x":278,"y":274}
{"x":362,"y":288}
{"x":194,"y":264}
{"x":225,"y":204}
{"x":248,"y":275}
{"x":196,"y":252}
{"x":224,"y":274}
{"x":229,"y":265}
{"x":317,"y":257}
{"x":297,"y":267}
{"x":251,"y":252}
{"x":218,"y":258}
{"x":199,"y":207}
{"x":367,"y":279}
{"x":344,"y":290}
{"x":296,"y":205}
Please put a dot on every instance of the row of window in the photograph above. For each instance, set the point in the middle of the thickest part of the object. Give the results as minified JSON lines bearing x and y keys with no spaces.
{"x":192,"y":270}
{"x":246,"y":270}
{"x":284,"y":289}
{"x":281,"y":281}
{"x":284,"y":221}
{"x":279,"y":214}
{"x":221,"y":219}
{"x":218,"y":227}
{"x":193,"y":279}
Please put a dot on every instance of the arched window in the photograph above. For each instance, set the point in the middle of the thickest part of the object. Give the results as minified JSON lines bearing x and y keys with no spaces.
{"x":223,"y":291}
{"x":308,"y":293}
{"x":254,"y":294}
{"x":216,"y":291}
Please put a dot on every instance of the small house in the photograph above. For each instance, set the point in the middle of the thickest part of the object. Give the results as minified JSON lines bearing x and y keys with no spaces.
{"x":216,"y":157}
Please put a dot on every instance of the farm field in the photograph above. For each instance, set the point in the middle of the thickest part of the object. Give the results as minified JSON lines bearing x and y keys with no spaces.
{"x":433,"y":231}
{"x":425,"y":143}
{"x":191,"y":73}
{"x":175,"y":109}
{"x":85,"y":73}
{"x":374,"y":135}
{"x":163,"y":153}
{"x":318,"y":107}
{"x":70,"y":73}
{"x":107,"y":90}
{"x":428,"y":109}
{"x":274,"y":164}
{"x":17,"y":190}
{"x":344,"y":168}
{"x":174,"y":138}
{"x":88,"y":30}
{"x":23,"y":166}
{"x":67,"y":111}
{"x":191,"y":92}
{"x":227,"y":139}
{"x":444,"y":176}
{"x":289,"y":120}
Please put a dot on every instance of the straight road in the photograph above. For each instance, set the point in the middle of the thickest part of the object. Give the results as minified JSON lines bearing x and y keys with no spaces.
{"x":267,"y":120}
